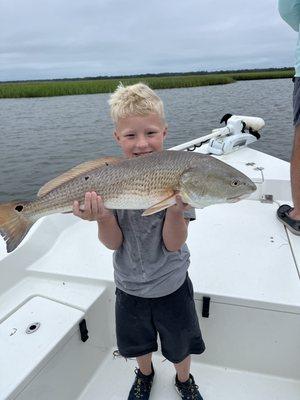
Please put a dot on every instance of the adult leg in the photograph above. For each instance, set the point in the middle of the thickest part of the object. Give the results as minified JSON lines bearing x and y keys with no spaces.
{"x":288,"y":215}
{"x":295,"y":175}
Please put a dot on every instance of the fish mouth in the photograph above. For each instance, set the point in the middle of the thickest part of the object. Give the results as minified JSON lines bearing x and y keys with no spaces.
{"x":237,"y":198}
{"x":233,"y":199}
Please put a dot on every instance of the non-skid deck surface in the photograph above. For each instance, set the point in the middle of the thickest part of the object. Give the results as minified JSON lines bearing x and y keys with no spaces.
{"x":242,"y":251}
{"x":113,"y":379}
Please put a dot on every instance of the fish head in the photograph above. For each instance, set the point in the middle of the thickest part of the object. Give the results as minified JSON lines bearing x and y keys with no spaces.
{"x":214,"y":182}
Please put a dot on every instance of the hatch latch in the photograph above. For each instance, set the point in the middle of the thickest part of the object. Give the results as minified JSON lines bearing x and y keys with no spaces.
{"x":205,"y":307}
{"x":83,"y":330}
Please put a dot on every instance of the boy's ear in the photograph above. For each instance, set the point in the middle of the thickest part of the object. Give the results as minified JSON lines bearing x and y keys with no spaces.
{"x":165,"y":131}
{"x":117,"y":137}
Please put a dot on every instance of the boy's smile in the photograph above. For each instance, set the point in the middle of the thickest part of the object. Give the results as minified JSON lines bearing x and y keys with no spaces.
{"x":138,"y":135}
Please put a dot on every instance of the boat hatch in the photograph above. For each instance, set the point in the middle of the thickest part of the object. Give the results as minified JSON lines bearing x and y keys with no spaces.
{"x":29,"y":338}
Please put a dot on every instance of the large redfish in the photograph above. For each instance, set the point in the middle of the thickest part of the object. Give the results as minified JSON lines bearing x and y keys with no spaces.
{"x":148,"y":182}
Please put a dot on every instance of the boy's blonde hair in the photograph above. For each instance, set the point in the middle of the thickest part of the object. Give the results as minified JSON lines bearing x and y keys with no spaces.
{"x":136,"y":99}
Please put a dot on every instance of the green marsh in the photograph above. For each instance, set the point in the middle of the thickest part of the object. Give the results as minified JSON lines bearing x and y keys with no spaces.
{"x":102,"y":85}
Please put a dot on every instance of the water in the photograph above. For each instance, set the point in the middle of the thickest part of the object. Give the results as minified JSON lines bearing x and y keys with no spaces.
{"x":42,"y":137}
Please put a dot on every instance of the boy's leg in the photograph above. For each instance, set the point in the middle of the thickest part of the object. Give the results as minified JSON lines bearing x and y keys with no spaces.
{"x":141,"y":388}
{"x":295,"y":175}
{"x":184,"y":381}
{"x":183,"y":369}
{"x":136,"y":334}
{"x":145,"y":364}
{"x":176,"y":320}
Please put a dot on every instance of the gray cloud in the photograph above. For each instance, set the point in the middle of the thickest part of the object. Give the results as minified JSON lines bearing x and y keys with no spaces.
{"x":63,"y":38}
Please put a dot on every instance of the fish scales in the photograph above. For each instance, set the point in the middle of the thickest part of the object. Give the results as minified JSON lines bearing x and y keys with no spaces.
{"x":137,"y":177}
{"x":147,"y":182}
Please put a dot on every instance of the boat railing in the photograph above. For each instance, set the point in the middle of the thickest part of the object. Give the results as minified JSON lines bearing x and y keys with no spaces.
{"x":193,"y":144}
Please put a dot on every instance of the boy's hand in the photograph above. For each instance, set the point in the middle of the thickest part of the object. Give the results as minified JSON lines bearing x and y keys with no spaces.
{"x":180,"y":206}
{"x":94,"y":209}
{"x":175,"y":226}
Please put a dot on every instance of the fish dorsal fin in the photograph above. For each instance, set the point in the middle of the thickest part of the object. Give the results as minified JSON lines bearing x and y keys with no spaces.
{"x":76,"y":171}
{"x":162,"y":205}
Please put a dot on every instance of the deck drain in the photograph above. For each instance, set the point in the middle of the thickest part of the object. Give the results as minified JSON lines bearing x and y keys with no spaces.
{"x":33,"y":327}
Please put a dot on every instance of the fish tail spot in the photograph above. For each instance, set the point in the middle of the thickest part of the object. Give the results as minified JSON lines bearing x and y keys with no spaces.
{"x":14,"y":225}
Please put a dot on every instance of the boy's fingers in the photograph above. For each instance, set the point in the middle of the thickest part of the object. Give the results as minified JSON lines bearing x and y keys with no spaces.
{"x":102,"y":208}
{"x":76,"y":208}
{"x":93,"y":206}
{"x":183,"y":206}
{"x":87,"y":202}
{"x":100,"y":204}
{"x":179,"y":200}
{"x":94,"y":203}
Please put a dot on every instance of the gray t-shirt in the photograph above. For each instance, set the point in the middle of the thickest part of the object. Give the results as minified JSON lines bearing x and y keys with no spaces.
{"x":142,"y":265}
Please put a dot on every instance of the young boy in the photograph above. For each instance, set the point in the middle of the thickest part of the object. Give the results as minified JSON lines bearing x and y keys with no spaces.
{"x":153,"y":291}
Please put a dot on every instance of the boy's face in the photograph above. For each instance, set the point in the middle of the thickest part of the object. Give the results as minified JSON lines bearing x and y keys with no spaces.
{"x":139,"y":135}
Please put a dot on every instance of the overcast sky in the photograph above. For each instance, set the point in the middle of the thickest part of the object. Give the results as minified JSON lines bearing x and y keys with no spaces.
{"x":41,"y":39}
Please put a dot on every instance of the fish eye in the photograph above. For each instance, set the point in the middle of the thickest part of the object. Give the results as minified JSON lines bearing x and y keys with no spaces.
{"x":235,"y":182}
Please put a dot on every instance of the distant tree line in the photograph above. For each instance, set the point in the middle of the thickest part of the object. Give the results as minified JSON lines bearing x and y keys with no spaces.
{"x":148,"y":75}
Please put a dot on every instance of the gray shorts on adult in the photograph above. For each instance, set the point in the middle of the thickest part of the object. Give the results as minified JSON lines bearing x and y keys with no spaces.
{"x":296,"y":101}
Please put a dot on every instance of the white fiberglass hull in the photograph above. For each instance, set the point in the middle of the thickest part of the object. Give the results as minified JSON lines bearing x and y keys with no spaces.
{"x":242,"y":258}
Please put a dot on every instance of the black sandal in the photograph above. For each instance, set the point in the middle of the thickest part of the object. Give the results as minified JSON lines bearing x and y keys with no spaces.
{"x":283,"y":215}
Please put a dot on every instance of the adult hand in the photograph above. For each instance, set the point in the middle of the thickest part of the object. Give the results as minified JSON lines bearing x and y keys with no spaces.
{"x":94,"y":209}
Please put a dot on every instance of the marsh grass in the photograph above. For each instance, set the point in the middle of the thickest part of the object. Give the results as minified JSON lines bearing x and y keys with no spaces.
{"x":76,"y":87}
{"x":243,"y":76}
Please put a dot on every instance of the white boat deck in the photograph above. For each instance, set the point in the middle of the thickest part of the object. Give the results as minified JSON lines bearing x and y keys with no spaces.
{"x":242,"y":257}
{"x":215,"y":383}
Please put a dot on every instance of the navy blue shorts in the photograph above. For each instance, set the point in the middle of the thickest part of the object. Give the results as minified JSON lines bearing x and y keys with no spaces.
{"x":173,"y":317}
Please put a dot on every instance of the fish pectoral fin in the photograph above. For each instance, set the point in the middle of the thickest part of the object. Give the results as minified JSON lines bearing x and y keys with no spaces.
{"x":80,"y":169}
{"x":162,"y":205}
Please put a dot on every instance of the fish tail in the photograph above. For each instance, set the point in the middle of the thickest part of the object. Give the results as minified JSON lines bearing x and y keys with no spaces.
{"x":14,"y":225}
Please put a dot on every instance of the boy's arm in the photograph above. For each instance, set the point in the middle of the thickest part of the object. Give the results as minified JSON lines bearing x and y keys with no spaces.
{"x":289,"y":11}
{"x":109,"y":232}
{"x":175,"y":229}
